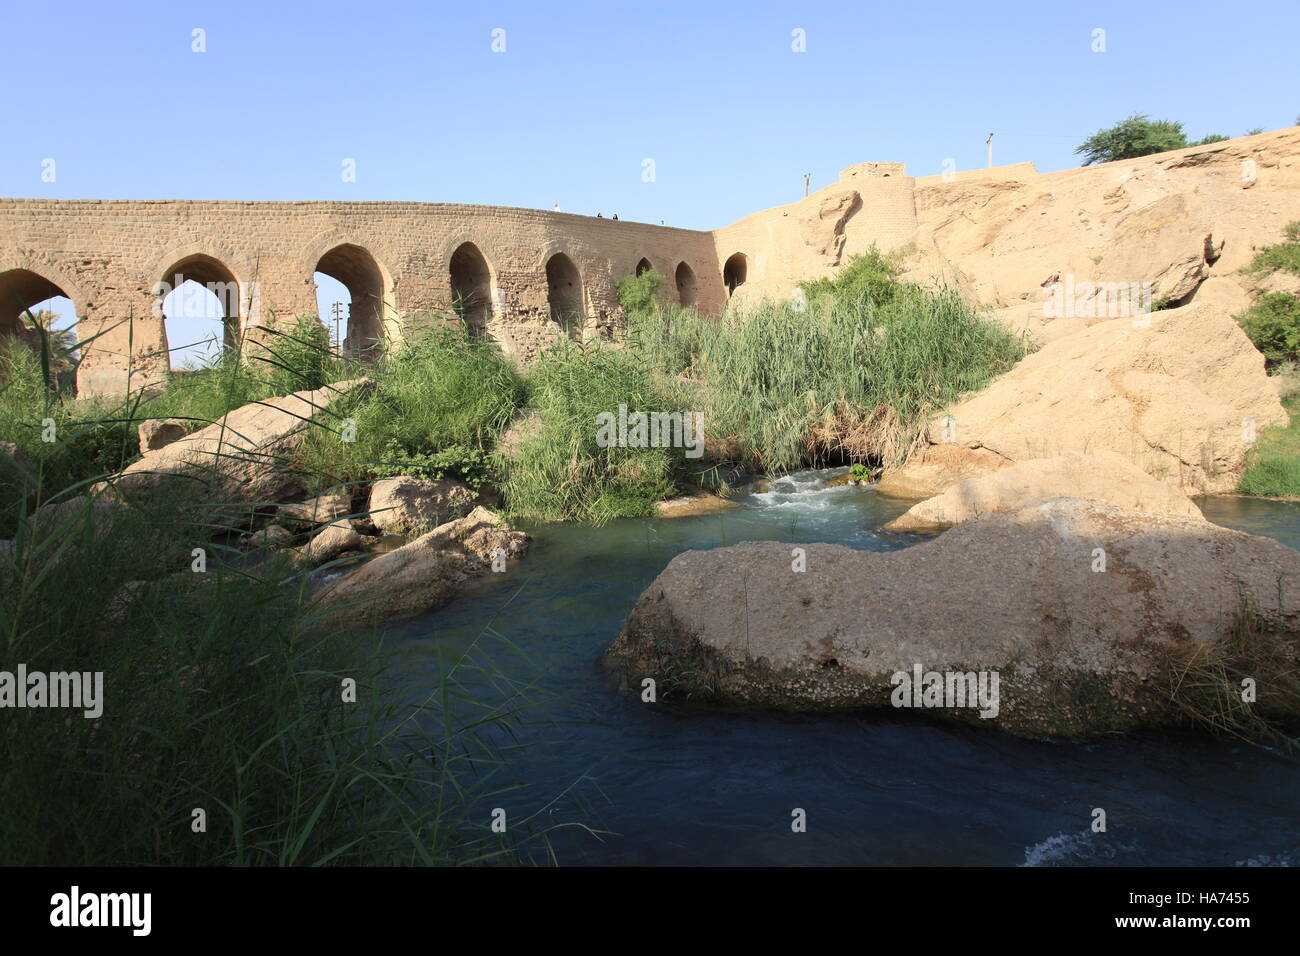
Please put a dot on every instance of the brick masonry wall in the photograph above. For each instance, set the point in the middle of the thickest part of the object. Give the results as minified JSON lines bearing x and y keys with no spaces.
{"x":107,"y":256}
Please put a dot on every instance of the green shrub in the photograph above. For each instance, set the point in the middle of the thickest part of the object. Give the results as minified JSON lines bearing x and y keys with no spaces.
{"x":637,"y":294}
{"x":868,"y":277}
{"x":1273,"y":324}
{"x":293,"y":356}
{"x":1284,"y":256}
{"x":442,"y":390}
{"x":468,"y":465}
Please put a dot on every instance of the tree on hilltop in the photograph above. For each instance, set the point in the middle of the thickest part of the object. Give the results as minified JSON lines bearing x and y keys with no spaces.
{"x":1139,"y":135}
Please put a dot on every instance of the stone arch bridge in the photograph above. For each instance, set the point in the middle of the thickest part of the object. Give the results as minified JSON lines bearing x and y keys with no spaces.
{"x":525,"y":277}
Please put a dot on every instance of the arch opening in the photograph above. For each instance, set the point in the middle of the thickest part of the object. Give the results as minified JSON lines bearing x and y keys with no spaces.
{"x":359,"y":274}
{"x":686,"y":287}
{"x":471,"y":287}
{"x":735,"y":271}
{"x":199,"y":302}
{"x":564,"y":293}
{"x":28,"y":300}
{"x":643,"y":267}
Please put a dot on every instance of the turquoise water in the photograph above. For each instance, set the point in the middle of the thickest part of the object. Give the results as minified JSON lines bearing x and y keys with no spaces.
{"x":678,"y":785}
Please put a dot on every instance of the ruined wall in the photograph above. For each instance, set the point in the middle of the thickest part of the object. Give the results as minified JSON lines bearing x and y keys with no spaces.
{"x":871,"y":204}
{"x":108,"y":257}
{"x":1014,"y":171}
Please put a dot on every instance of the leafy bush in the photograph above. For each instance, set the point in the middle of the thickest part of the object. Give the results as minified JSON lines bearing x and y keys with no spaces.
{"x":1139,"y":135}
{"x":294,"y":356}
{"x":442,"y":390}
{"x":1273,"y":324}
{"x":1284,"y":256}
{"x":868,"y":277}
{"x":637,"y":294}
{"x":470,"y":466}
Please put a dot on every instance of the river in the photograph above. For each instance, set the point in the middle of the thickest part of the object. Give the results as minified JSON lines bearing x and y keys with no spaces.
{"x":677,"y":785}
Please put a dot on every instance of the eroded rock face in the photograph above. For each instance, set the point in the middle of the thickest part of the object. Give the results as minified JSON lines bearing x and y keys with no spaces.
{"x":407,"y":504}
{"x":423,"y":574}
{"x":1104,"y":477}
{"x":1180,"y":393}
{"x":1077,"y":650}
{"x":244,"y":459}
{"x":935,"y":468}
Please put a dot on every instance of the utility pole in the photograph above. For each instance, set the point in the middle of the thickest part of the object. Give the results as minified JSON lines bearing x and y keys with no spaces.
{"x":806,"y":178}
{"x":990,"y":145}
{"x":336,"y":312}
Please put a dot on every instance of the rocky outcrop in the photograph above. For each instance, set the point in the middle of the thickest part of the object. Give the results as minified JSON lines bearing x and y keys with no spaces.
{"x":318,"y":510}
{"x":1104,"y":477}
{"x":1180,"y":393}
{"x":158,"y":433}
{"x":329,"y":542}
{"x":244,"y":460}
{"x":934,"y":468}
{"x":423,"y":574}
{"x":406,"y":504}
{"x":1081,"y":610}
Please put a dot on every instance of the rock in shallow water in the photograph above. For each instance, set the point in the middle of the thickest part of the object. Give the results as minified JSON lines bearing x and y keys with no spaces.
{"x":423,"y":574}
{"x":1103,"y":477}
{"x":1077,"y":650}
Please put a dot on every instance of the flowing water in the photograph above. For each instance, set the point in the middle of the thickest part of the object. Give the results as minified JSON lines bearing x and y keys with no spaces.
{"x":672,"y":784}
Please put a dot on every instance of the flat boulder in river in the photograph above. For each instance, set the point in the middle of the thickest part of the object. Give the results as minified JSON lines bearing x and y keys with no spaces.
{"x":1102,"y":476}
{"x":425,"y":573}
{"x":1082,"y":610}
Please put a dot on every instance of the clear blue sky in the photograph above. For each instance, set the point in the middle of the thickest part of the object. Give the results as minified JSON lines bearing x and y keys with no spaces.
{"x":584,"y":92}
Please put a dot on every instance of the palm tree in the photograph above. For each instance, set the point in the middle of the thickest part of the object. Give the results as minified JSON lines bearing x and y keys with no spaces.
{"x":62,"y":342}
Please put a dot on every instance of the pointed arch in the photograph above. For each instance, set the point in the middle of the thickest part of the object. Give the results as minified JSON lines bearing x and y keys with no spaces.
{"x":735,"y":271}
{"x":196,"y":294}
{"x":687,"y":289}
{"x":471,"y":286}
{"x":370,"y":290}
{"x":564,"y":292}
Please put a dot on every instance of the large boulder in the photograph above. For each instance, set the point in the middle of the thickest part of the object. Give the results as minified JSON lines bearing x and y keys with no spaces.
{"x":1103,"y":476}
{"x":1180,"y":393}
{"x":405,"y":504}
{"x":423,"y":574}
{"x":239,"y":462}
{"x":934,"y":468}
{"x":1082,"y":610}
